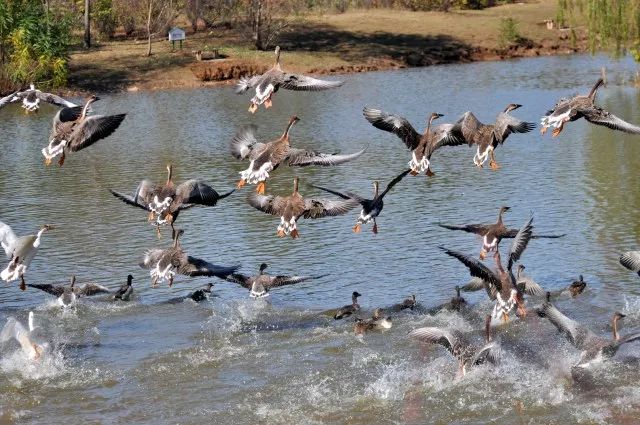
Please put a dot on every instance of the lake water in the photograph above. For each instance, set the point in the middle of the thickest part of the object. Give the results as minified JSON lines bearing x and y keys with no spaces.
{"x":235,"y":360}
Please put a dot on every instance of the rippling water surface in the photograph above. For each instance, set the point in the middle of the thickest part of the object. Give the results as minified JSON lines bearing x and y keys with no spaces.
{"x":235,"y":360}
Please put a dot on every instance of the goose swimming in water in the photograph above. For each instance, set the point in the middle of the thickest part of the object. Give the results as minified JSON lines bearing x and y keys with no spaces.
{"x":422,"y":146}
{"x":581,"y":106}
{"x":14,"y":330}
{"x":371,"y":208}
{"x":631,"y":261}
{"x":20,"y":250}
{"x":502,"y":284}
{"x":594,"y":347}
{"x":32,"y":97}
{"x":74,"y":130}
{"x":487,"y":137}
{"x":467,"y":353}
{"x":126,"y":289}
{"x":68,"y":294}
{"x":268,"y":83}
{"x":408,"y":303}
{"x":165,"y":201}
{"x":349,"y":309}
{"x":267,"y":157}
{"x":260,"y":284}
{"x":293,"y":207}
{"x":166,"y":263}
{"x":492,"y":234}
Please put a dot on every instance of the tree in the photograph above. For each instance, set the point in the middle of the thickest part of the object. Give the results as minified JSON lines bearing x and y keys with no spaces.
{"x":160,"y":14}
{"x":611,"y":24}
{"x":87,"y":24}
{"x":266,"y":20}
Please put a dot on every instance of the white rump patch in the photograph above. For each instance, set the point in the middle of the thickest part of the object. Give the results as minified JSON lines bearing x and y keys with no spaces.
{"x":364,"y":219}
{"x":555,"y":120}
{"x":287,"y":226}
{"x":418,"y":166}
{"x":51,"y":151}
{"x":481,"y":158}
{"x":30,"y":106}
{"x":12,"y":272}
{"x":254,"y":176}
{"x":503,"y":307}
{"x":261,"y":96}
{"x":162,"y":275}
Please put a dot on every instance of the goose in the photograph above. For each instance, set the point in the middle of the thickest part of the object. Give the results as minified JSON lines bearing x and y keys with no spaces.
{"x":408,"y":303}
{"x":20,"y":250}
{"x":68,"y":294}
{"x":266,"y":157}
{"x":165,"y":201}
{"x":32,"y":97}
{"x":201,"y":294}
{"x":349,"y":309}
{"x":371,"y":208}
{"x":275,"y":78}
{"x":467,"y":353}
{"x":457,"y":302}
{"x":422,"y":146}
{"x":293,"y":207}
{"x":577,"y":286}
{"x":492,"y":234}
{"x":377,"y":322}
{"x":581,"y":106}
{"x":74,"y":130}
{"x":501,"y":282}
{"x":260,"y":284}
{"x":487,"y":137}
{"x":166,"y":263}
{"x":126,"y":289}
{"x":527,"y":285}
{"x":14,"y":330}
{"x":594,"y":348}
{"x":631,"y":261}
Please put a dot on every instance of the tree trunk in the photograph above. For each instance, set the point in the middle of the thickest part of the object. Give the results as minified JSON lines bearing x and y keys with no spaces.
{"x":257,"y":24}
{"x":87,"y":24}
{"x":149,"y":28}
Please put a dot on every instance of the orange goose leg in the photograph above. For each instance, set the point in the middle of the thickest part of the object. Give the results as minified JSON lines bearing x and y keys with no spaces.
{"x":61,"y":160}
{"x":356,"y":228}
{"x":493,"y":164}
{"x":556,"y":131}
{"x":268,"y":103}
{"x":295,"y":234}
{"x":261,"y":187}
{"x":253,"y":108}
{"x":241,"y":184}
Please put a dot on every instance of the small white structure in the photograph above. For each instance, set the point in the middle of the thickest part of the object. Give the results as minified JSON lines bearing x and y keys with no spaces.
{"x":176,"y":34}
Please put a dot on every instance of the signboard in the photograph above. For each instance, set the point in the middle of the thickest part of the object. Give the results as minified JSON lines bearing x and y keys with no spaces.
{"x":176,"y":34}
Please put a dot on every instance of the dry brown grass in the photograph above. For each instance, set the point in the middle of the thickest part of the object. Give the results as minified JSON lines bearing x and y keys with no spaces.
{"x":353,"y":41}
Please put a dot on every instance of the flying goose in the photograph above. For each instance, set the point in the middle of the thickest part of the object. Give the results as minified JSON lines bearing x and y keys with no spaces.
{"x":487,"y":137}
{"x":166,"y":263}
{"x":165,"y":201}
{"x":68,"y":294}
{"x":349,"y":309}
{"x":467,"y":353}
{"x":594,"y":347}
{"x":268,"y":83}
{"x":31,"y":99}
{"x":20,"y":250}
{"x":293,"y":207}
{"x":576,"y":107}
{"x":266,"y":157}
{"x":74,"y":130}
{"x":631,"y":261}
{"x":371,"y":208}
{"x":126,"y":289}
{"x":501,"y":282}
{"x":260,"y":284}
{"x":377,"y":322}
{"x":492,"y":234}
{"x":14,"y":330}
{"x":422,"y":146}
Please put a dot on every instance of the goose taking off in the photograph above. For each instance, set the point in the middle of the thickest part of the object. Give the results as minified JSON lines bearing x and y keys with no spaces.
{"x":377,"y":322}
{"x":275,"y":78}
{"x":14,"y":330}
{"x":293,"y":207}
{"x":266,"y":157}
{"x":492,"y":234}
{"x":501,"y":284}
{"x":487,"y":137}
{"x":74,"y":130}
{"x":631,"y":261}
{"x":422,"y":146}
{"x":20,"y":250}
{"x":166,"y":263}
{"x":348,"y":309}
{"x":260,"y":284}
{"x":594,"y":347}
{"x":165,"y":201}
{"x":576,"y":107}
{"x":126,"y":289}
{"x":68,"y":294}
{"x":467,"y":353}
{"x":371,"y":208}
{"x":32,"y":97}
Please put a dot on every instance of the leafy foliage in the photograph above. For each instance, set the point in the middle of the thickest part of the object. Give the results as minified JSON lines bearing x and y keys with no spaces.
{"x":508,"y":31}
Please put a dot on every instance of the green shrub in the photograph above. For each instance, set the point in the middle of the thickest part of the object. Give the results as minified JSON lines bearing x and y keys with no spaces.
{"x":508,"y":31}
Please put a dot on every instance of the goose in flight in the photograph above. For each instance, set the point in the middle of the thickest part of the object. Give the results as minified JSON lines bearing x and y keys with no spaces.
{"x":20,"y":251}
{"x":32,"y":97}
{"x":260,"y":284}
{"x":68,"y":295}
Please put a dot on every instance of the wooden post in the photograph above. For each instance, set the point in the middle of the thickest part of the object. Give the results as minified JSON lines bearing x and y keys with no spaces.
{"x":87,"y":24}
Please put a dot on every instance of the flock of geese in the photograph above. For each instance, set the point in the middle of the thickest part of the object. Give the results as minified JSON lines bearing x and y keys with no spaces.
{"x":74,"y":129}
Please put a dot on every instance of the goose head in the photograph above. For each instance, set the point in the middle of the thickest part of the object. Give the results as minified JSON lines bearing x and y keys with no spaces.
{"x":434,"y":116}
{"x":511,"y":107}
{"x":263,"y":267}
{"x":354,"y":296}
{"x":129,"y":280}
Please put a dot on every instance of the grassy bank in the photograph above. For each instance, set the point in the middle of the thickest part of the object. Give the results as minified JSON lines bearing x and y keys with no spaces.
{"x":360,"y":40}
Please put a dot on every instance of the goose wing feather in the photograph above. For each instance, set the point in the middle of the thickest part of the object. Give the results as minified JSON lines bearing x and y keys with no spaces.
{"x":395,"y":124}
{"x":302,"y":157}
{"x":599,"y":116}
{"x":301,"y":82}
{"x":476,"y":268}
{"x":93,"y":129}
